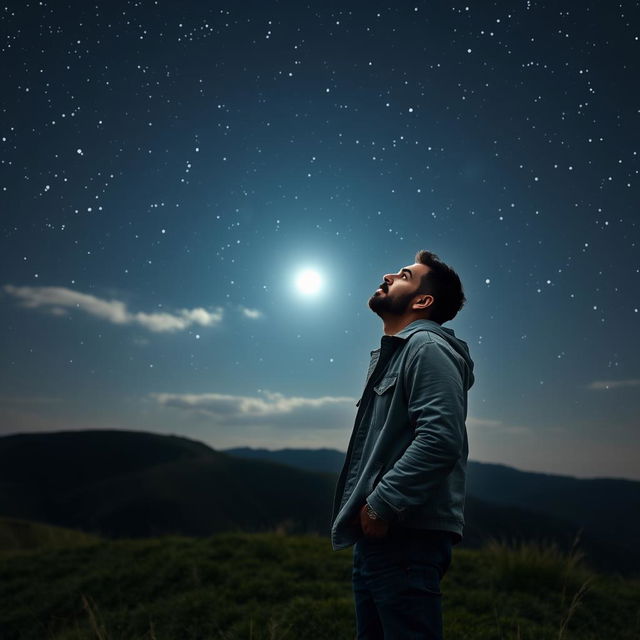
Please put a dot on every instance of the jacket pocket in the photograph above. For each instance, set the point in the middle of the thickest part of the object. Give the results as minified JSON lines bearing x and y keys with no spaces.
{"x":385,"y":384}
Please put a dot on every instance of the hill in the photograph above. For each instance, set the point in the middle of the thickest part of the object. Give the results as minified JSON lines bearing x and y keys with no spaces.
{"x":290,"y":587}
{"x":121,"y":483}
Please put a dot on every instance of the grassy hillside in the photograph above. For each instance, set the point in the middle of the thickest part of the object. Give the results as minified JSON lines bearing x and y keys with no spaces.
{"x":255,"y":586}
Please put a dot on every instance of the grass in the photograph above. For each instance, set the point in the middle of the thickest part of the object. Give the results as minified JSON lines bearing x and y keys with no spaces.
{"x":524,"y":567}
{"x":17,"y":535}
{"x":279,"y":587}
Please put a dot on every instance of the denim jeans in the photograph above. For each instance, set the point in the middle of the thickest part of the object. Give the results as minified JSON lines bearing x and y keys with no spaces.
{"x":396,"y":584}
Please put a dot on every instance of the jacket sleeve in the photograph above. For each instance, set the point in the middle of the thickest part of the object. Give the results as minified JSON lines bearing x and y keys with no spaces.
{"x":436,"y":411}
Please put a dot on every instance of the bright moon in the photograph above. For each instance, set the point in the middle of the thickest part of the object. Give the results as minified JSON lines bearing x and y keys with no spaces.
{"x":308,"y":282}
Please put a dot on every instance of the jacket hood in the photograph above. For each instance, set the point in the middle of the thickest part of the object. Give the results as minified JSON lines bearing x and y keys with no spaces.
{"x":448,"y":334}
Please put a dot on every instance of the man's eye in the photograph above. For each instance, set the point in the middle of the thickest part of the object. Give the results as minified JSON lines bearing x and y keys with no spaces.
{"x":404,"y":275}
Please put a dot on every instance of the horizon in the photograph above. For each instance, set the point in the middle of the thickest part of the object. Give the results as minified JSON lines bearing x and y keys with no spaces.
{"x":225,"y":450}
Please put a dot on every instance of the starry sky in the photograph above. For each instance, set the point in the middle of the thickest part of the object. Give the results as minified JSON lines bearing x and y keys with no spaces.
{"x":169,"y":168}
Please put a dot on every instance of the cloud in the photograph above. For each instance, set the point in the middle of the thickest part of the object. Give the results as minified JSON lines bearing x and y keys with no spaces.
{"x":274,"y":408}
{"x":599,"y":385}
{"x":483,"y":422}
{"x":57,"y":299}
{"x":254,"y":314}
{"x":495,"y":426}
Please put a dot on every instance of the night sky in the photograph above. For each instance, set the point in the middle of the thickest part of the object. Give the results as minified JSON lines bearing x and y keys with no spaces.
{"x":169,"y":168}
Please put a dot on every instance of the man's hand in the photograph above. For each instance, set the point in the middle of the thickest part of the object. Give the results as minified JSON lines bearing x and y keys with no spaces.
{"x":372,"y":528}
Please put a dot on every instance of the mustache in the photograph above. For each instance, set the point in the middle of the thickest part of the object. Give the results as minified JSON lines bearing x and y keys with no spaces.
{"x":384,"y":286}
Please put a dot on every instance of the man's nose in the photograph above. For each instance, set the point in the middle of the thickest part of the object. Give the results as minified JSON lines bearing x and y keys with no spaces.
{"x":388,"y":278}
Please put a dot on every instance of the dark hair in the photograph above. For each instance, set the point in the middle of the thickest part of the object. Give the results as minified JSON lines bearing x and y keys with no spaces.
{"x":443,"y":283}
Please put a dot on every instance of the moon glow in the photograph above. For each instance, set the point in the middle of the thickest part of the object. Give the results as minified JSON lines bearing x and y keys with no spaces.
{"x":308,"y":282}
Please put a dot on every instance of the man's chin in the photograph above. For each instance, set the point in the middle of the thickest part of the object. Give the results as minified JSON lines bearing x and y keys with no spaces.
{"x":385,"y":306}
{"x":375,"y":304}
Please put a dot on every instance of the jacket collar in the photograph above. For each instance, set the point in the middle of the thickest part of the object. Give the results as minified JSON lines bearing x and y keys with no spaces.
{"x":415,"y":326}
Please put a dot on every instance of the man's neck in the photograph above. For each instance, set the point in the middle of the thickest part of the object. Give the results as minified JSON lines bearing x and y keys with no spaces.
{"x":395,"y":324}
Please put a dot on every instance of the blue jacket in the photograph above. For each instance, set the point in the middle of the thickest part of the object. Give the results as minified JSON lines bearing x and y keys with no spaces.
{"x":408,"y":451}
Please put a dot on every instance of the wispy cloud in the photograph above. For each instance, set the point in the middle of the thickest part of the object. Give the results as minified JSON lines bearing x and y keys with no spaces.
{"x":58,"y":299}
{"x":599,"y":385}
{"x":254,"y":314}
{"x":494,"y":425}
{"x":483,"y":422}
{"x":268,"y":408}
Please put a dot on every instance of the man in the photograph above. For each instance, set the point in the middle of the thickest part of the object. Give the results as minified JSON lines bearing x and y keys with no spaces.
{"x":400,"y":496}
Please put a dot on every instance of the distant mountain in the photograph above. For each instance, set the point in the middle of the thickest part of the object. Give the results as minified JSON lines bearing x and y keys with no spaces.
{"x":606,"y":507}
{"x":506,"y":502}
{"x":122,"y":483}
{"x":329,"y":460}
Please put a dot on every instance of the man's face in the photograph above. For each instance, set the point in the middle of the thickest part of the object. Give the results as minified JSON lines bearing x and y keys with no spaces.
{"x":398,"y":291}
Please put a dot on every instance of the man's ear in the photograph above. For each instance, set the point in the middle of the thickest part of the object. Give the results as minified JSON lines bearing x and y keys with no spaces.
{"x":423,"y":302}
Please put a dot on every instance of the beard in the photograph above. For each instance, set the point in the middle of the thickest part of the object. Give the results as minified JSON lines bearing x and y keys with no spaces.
{"x":384,"y":304}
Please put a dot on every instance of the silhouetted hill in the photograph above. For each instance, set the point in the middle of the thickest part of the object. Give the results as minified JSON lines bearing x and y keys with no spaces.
{"x":121,"y":483}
